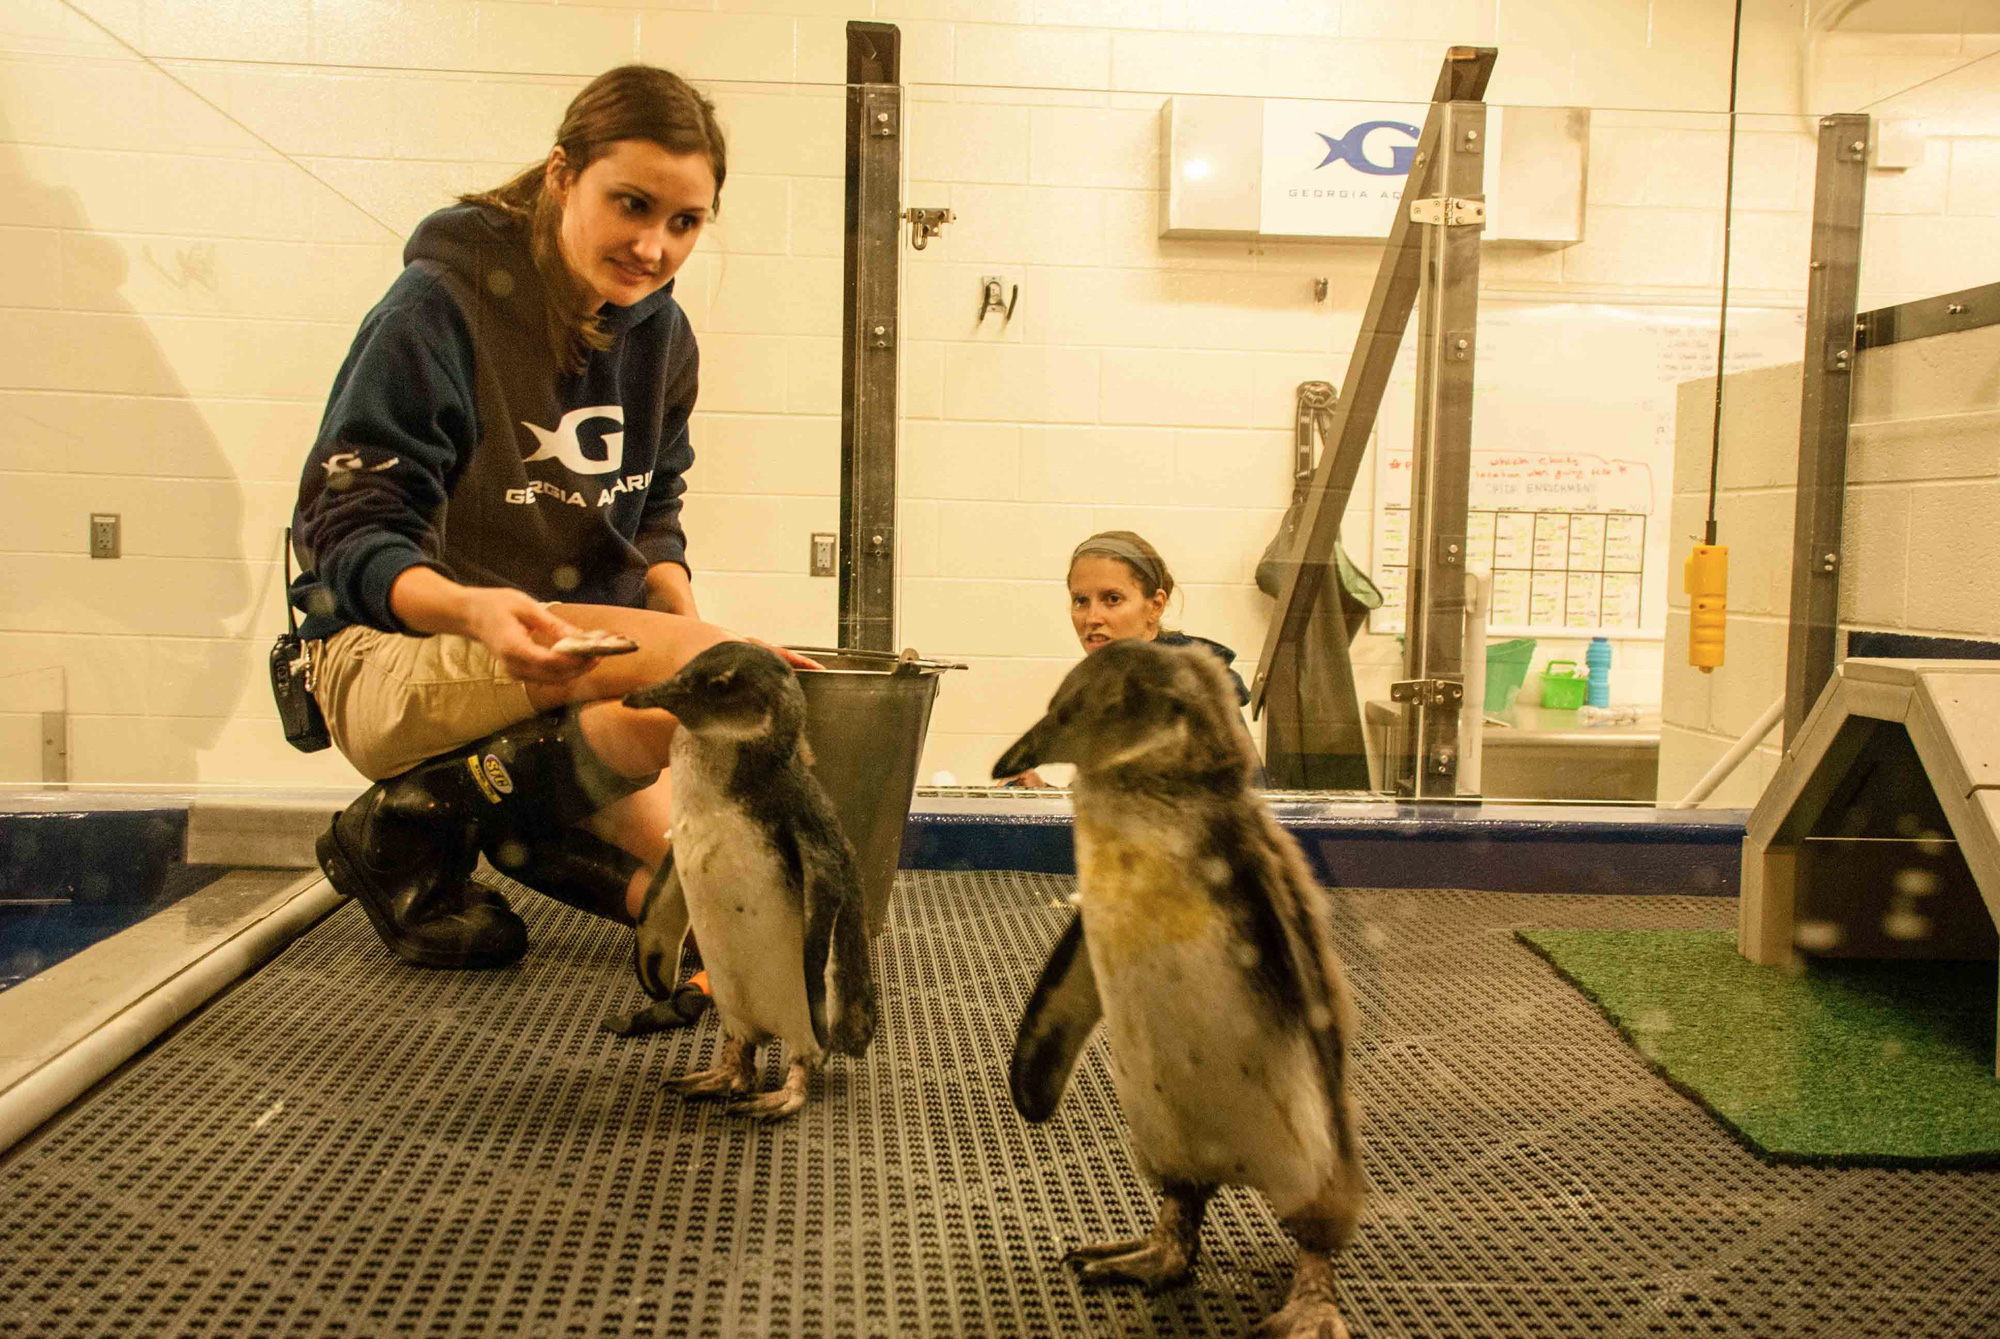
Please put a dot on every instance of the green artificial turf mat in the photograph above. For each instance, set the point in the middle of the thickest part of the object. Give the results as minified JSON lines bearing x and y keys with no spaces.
{"x":1883,"y":1063}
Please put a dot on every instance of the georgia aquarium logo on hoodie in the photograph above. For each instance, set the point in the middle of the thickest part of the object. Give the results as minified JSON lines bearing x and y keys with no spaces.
{"x":564,"y":444}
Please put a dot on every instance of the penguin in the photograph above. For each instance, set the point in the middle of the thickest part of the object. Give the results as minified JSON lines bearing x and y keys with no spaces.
{"x":1204,"y":947}
{"x":768,"y":878}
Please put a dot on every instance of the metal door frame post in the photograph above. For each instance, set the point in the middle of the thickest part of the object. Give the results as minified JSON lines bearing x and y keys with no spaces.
{"x":1840,"y":189}
{"x":1447,"y":304}
{"x":1462,"y":78}
{"x":868,"y":338}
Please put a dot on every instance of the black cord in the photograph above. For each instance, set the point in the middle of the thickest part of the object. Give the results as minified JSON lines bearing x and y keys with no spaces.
{"x":1722,"y":317}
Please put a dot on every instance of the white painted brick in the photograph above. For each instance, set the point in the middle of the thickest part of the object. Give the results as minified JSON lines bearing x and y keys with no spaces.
{"x":1758,"y":529}
{"x":1033,"y":58}
{"x":1147,"y":386}
{"x":1621,"y":164}
{"x":1685,"y":690}
{"x":1190,"y":63}
{"x":816,"y":214}
{"x":920,"y":392}
{"x":930,"y":53}
{"x":782,"y":132}
{"x":248,"y":30}
{"x":162,"y":275}
{"x":1647,"y":248}
{"x":916,"y":538}
{"x":1535,"y":75}
{"x":769,"y":295}
{"x":1685,"y":525}
{"x":1125,"y":466}
{"x":951,"y":618}
{"x":1760,"y":428}
{"x":1874,"y":555}
{"x":743,"y":373}
{"x":1017,"y":383}
{"x":968,"y":143}
{"x":51,"y":28}
{"x":1771,"y":250}
{"x":1003,"y":539}
{"x":813,"y":375}
{"x":1694,"y":425}
{"x":1025,"y":225}
{"x":965,"y":461}
{"x":819,"y":46}
{"x":765,"y":454}
{"x":1174,"y":309}
{"x":488,"y":117}
{"x":998,"y":693}
{"x":755,"y":218}
{"x":1946,"y":446}
{"x":1975,"y":177}
{"x":31,"y":266}
{"x":1287,"y":18}
{"x":209,"y":677}
{"x":1916,"y":190}
{"x":1223,"y":468}
{"x":51,"y":672}
{"x":398,"y":194}
{"x":965,"y":11}
{"x":1954,"y":563}
{"x":173,"y":596}
{"x":757,"y":534}
{"x":1132,"y":238}
{"x":1752,"y":674}
{"x":565,"y":39}
{"x":1236,"y":616}
{"x":1904,"y":257}
{"x":1201,"y":546}
{"x":741,"y":48}
{"x":406,"y":34}
{"x":941,"y":300}
{"x":99,"y":190}
{"x":1111,"y":13}
{"x":792,"y":609}
{"x":1774,"y":163}
{"x":1089,"y":146}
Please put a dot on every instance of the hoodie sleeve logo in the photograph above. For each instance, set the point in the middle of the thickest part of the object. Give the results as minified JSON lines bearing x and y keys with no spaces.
{"x":563,"y":444}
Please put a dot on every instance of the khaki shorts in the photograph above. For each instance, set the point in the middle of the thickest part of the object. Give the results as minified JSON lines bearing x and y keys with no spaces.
{"x":393,"y":701}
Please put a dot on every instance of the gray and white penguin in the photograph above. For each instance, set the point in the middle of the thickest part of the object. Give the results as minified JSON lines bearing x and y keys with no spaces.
{"x":1204,"y":946}
{"x":766,"y":875}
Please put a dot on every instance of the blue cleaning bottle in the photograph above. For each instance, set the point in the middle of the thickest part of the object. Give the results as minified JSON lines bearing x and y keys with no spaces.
{"x":1598,"y":657}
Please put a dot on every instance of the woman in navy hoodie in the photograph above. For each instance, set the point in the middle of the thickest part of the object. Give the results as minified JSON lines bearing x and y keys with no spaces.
{"x":501,"y":466}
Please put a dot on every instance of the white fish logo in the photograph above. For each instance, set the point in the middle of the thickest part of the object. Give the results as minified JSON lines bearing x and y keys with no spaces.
{"x":562,"y":445}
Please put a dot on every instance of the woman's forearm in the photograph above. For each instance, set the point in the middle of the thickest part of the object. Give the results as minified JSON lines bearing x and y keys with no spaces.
{"x":669,"y":591}
{"x":426,"y":600}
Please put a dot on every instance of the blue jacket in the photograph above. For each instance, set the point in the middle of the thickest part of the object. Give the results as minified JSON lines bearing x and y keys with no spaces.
{"x":452,"y":441}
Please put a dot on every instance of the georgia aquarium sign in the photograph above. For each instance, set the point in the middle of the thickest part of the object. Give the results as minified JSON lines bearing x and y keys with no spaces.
{"x":1335,"y":169}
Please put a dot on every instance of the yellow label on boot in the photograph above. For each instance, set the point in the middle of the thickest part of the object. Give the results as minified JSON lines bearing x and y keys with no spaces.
{"x":479,"y":776}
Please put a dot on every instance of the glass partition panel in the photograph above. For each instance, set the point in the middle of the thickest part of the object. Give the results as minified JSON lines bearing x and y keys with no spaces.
{"x":1128,"y":327}
{"x":192,"y":242}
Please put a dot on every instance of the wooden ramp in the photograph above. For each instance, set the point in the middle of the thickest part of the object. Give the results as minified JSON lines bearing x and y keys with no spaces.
{"x":1880,"y":834}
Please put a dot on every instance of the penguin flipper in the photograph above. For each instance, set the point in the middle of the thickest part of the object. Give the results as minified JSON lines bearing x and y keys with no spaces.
{"x":1055,"y":1027}
{"x":853,"y":978}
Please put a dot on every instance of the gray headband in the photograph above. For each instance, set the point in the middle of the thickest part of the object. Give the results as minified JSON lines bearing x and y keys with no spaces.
{"x":1143,"y":563}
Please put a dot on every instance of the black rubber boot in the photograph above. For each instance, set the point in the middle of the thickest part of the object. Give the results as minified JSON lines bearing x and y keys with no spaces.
{"x":576,"y":867}
{"x":407,"y":848}
{"x":661,"y":949}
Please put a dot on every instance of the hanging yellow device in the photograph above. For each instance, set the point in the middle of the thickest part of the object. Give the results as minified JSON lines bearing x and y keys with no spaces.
{"x":1706,"y":579}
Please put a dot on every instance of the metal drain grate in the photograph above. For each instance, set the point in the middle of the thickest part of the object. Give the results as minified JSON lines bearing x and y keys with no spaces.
{"x":344,"y":1146}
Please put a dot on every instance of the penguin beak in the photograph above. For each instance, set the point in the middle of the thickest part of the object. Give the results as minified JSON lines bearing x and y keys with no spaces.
{"x":662,"y":694}
{"x":1044,"y":742}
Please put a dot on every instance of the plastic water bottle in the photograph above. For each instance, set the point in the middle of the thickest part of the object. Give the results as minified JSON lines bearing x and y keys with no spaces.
{"x":1598,"y":657}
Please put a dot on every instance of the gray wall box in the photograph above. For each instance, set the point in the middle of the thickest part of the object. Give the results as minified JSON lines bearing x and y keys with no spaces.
{"x":1535,"y":195}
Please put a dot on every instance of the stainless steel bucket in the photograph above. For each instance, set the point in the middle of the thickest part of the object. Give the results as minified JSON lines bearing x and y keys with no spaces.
{"x":867,"y":714}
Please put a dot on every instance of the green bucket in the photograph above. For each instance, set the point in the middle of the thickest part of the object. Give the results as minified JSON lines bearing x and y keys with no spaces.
{"x":1506,"y":669}
{"x":1564,"y":690}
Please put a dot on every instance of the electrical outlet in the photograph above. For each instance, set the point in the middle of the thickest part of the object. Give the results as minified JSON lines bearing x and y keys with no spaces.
{"x":104,"y":534}
{"x":823,"y":550}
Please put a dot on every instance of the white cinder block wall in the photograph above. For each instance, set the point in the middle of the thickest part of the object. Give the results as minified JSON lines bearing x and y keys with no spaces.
{"x":199,"y":200}
{"x":1920,"y":552}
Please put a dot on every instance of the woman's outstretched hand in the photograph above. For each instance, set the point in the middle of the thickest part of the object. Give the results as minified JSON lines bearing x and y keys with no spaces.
{"x":515,"y":627}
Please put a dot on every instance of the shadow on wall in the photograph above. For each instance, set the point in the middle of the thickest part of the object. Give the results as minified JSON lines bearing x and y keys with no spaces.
{"x":141,"y":652}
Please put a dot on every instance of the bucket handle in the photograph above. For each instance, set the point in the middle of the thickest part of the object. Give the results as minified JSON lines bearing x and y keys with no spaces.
{"x":1549,"y":670}
{"x":910,"y":658}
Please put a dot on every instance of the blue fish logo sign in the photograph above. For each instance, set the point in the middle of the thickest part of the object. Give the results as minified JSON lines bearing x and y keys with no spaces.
{"x":1352,"y":149}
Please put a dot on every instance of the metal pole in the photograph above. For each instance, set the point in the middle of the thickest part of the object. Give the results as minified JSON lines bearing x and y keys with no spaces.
{"x":1839,"y":196}
{"x":1441,"y":465}
{"x":868,"y":370}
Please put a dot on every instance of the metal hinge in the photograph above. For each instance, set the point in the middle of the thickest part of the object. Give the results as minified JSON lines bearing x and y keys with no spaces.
{"x":1428,"y":692}
{"x":1450,"y":210}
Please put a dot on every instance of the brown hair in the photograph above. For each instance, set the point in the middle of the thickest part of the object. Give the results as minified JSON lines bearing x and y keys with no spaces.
{"x":630,"y":102}
{"x":1142,"y":559}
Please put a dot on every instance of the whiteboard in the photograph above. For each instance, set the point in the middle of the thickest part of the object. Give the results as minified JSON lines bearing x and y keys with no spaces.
{"x":1572,"y":458}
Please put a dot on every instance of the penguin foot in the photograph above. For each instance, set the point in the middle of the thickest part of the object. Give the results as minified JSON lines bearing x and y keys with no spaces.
{"x":1157,"y":1261}
{"x":729,"y":1079}
{"x":1309,"y":1312}
{"x":1303,"y":1319}
{"x":775,"y":1106}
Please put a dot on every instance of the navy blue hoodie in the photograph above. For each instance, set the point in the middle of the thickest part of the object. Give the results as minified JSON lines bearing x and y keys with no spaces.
{"x":452,"y":440}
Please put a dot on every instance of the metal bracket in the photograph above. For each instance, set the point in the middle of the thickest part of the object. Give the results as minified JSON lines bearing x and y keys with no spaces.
{"x":1840,"y":360}
{"x":991,"y":301}
{"x":1450,"y":211}
{"x":885,"y":122}
{"x":55,"y":748}
{"x":1458,"y":345}
{"x":882,"y":333}
{"x":1428,"y":692}
{"x":926,"y":224}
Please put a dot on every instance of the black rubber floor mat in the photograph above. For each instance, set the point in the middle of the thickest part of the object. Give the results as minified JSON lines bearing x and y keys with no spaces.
{"x":347,"y":1146}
